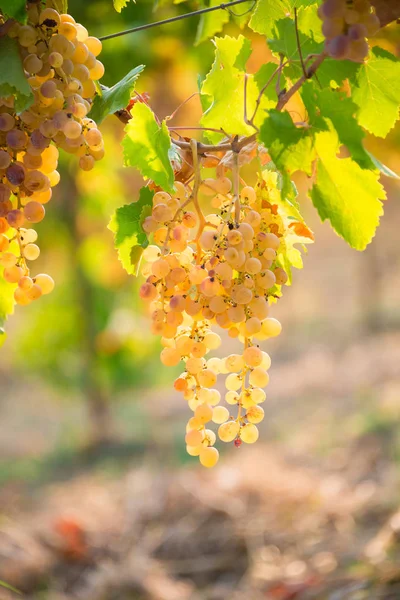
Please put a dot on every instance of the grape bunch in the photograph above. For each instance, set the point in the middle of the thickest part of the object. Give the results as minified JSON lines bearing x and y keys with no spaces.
{"x":346,"y":25}
{"x":221,"y":269}
{"x":61,"y":66}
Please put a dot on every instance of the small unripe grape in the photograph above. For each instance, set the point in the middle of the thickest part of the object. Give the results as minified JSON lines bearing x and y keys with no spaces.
{"x":209,"y":457}
{"x":249,"y":433}
{"x":228,"y":431}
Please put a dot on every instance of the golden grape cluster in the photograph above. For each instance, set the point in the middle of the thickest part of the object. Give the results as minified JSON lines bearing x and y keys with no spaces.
{"x":61,"y":66}
{"x":346,"y":25}
{"x":220,"y":269}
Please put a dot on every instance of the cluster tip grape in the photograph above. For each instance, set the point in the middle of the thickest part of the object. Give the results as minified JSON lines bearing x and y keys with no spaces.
{"x":218,"y":270}
{"x":61,"y":66}
{"x":346,"y":24}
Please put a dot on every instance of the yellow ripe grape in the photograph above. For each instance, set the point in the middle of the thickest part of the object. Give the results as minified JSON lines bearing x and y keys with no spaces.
{"x":271,"y":327}
{"x":210,"y":437}
{"x":203,"y":413}
{"x":170,"y":357}
{"x":220,"y":414}
{"x":233,"y":382}
{"x":8,"y":260}
{"x":248,"y":194}
{"x":193,"y":423}
{"x":234,"y":363}
{"x":207,"y":378}
{"x":184,"y":344}
{"x":20,"y":297}
{"x":194,"y":437}
{"x":232,"y":397}
{"x":31,"y":251}
{"x":214,"y":364}
{"x":253,"y":356}
{"x":199,"y":349}
{"x":214,"y":398}
{"x":272,"y":241}
{"x":249,"y":433}
{"x":246,"y":399}
{"x":194,"y":450}
{"x":45,"y":282}
{"x":258,"y":395}
{"x":258,"y":377}
{"x":227,"y":432}
{"x":194,"y":365}
{"x":12,"y":274}
{"x":209,"y":457}
{"x":253,"y":326}
{"x":204,"y":395}
{"x":34,"y":292}
{"x":255,"y":414}
{"x":212,"y":340}
{"x":266,"y":361}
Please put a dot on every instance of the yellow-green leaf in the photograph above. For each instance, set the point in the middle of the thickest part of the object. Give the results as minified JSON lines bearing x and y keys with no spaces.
{"x":146,"y":147}
{"x":349,"y":196}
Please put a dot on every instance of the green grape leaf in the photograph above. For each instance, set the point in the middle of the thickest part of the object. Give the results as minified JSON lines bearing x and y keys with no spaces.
{"x":115,"y":98}
{"x":290,"y":147}
{"x":383,"y":168}
{"x":224,"y":85}
{"x":211,"y":23}
{"x":332,"y":72}
{"x":340,"y":110}
{"x":267,"y":75}
{"x":120,"y":4}
{"x":268,"y":12}
{"x":16,"y":9}
{"x":129,"y":237}
{"x":12,"y":78}
{"x":146,"y":147}
{"x":284,"y":39}
{"x":346,"y":194}
{"x":376,"y":91}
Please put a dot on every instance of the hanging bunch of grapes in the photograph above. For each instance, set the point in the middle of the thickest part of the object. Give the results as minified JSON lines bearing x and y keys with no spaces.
{"x":346,"y":25}
{"x":218,"y":270}
{"x":61,"y":66}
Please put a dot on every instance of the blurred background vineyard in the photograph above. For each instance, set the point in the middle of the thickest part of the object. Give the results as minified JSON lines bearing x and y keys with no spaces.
{"x":97,"y":497}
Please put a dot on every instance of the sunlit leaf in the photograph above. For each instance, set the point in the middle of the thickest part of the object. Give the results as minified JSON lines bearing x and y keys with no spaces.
{"x":376,"y":91}
{"x":224,"y":85}
{"x":115,"y":98}
{"x":268,"y":12}
{"x":346,"y":194}
{"x":120,"y":4}
{"x":290,"y":147}
{"x":12,"y":78}
{"x":341,"y":111}
{"x":211,"y":23}
{"x":146,"y":147}
{"x":129,"y":237}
